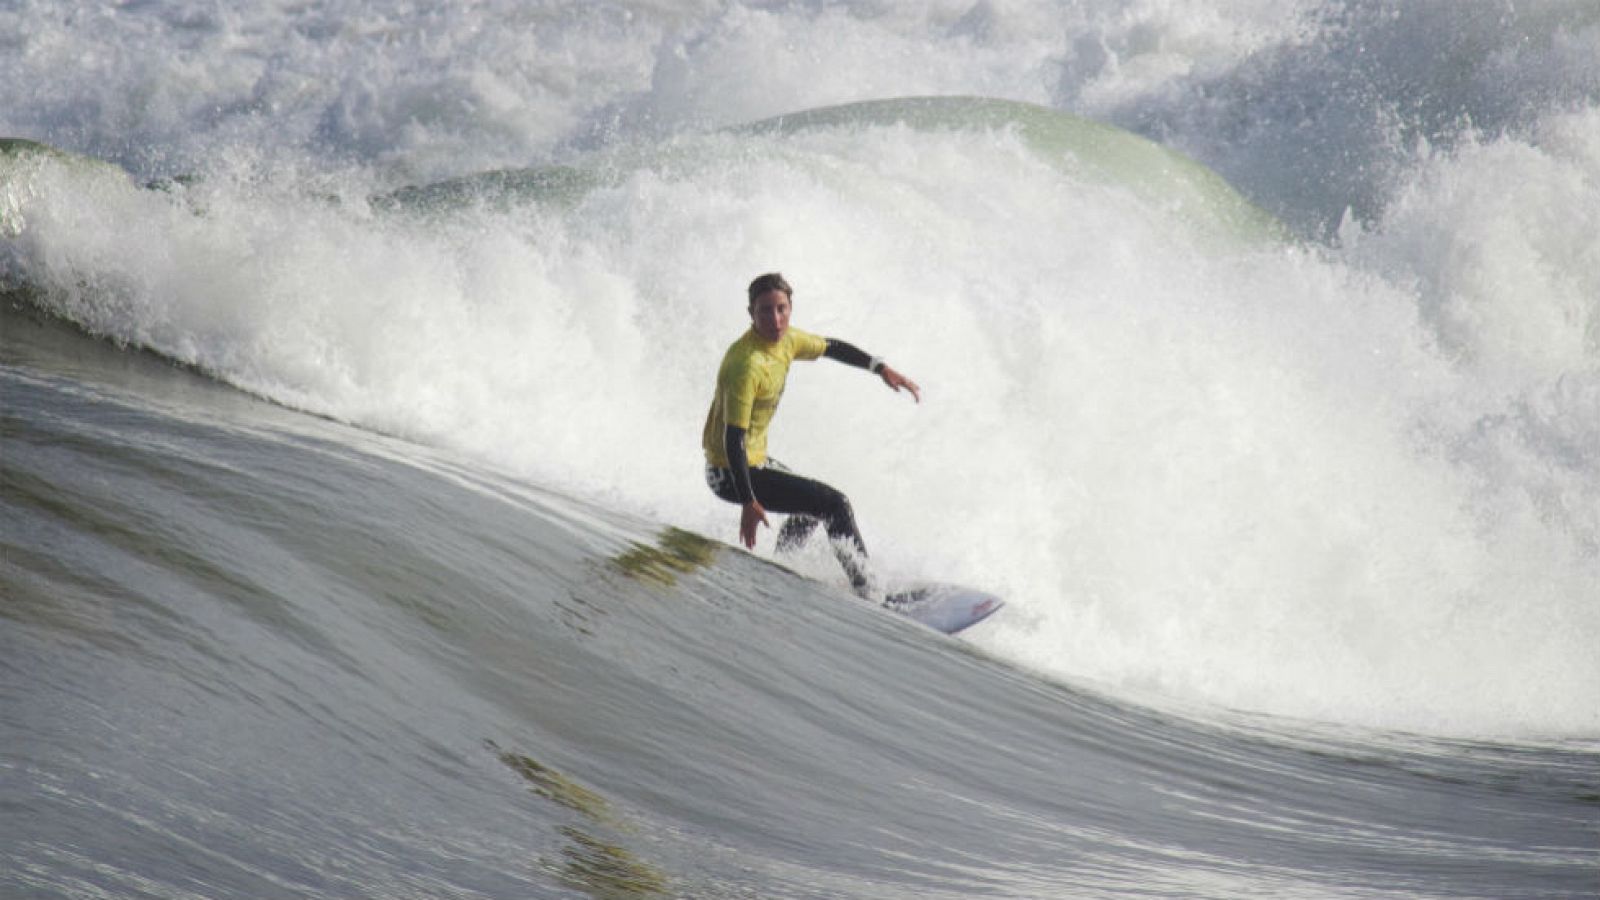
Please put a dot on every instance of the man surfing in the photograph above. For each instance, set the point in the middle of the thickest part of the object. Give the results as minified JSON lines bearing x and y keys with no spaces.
{"x":749,"y":384}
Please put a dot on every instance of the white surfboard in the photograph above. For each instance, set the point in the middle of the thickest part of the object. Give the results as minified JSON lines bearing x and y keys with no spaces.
{"x":943,"y":607}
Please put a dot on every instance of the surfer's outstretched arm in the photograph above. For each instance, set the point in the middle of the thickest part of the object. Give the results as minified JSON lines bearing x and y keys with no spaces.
{"x":851,"y":355}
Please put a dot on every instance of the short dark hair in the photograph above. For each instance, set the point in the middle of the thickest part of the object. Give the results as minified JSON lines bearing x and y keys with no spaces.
{"x":772,"y":281}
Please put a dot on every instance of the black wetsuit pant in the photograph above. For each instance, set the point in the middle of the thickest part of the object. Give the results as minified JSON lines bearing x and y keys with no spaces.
{"x":806,"y":502}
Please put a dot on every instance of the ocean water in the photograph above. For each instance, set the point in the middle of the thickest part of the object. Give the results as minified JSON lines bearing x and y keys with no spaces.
{"x":353,"y":359}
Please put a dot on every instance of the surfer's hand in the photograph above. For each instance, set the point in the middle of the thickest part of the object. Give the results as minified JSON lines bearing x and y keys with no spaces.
{"x":752,"y":515}
{"x":897,"y":381}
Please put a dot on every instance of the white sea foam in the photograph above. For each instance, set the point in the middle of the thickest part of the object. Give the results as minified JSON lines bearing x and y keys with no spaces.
{"x":1356,"y":482}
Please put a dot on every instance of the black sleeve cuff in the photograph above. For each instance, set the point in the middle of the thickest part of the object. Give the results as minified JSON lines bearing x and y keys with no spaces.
{"x":851,"y":355}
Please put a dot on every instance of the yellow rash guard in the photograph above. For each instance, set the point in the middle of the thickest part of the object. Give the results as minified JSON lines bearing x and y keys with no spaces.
{"x":749,"y":385}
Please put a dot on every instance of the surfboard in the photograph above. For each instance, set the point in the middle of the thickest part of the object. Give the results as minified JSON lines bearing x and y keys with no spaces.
{"x":943,"y":607}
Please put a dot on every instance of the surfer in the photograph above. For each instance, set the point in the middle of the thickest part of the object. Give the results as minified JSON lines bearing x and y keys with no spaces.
{"x":749,"y":385}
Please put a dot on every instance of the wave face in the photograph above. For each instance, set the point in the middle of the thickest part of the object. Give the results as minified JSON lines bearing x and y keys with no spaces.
{"x":1260,"y":347}
{"x":251,"y":653}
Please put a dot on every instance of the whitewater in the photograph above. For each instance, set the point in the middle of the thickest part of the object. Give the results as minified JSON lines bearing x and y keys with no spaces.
{"x":353,"y":361}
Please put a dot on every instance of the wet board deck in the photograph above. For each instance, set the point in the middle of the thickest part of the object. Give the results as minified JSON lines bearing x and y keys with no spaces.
{"x":943,"y":607}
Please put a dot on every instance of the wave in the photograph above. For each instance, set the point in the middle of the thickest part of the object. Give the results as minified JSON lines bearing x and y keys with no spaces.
{"x":1081,"y":148}
{"x":1260,"y":476}
{"x":248,"y":651}
{"x":1261,"y":375}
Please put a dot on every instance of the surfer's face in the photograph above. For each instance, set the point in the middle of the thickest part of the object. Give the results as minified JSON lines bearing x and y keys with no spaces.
{"x":770,"y":314}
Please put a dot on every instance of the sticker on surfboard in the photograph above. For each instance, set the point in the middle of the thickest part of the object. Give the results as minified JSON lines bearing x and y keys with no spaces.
{"x":943,"y":607}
